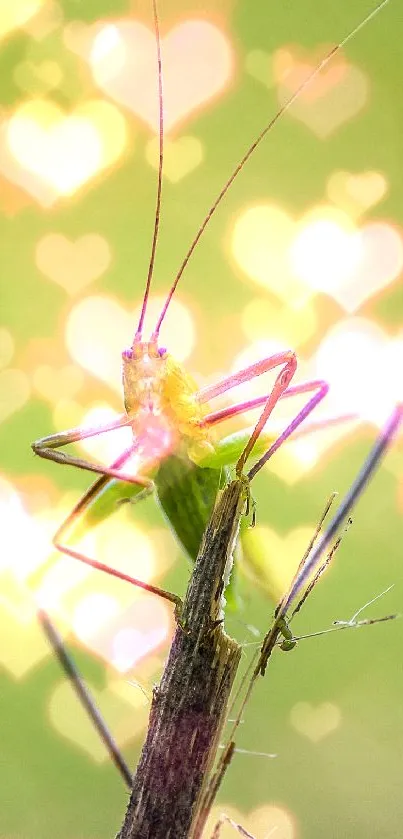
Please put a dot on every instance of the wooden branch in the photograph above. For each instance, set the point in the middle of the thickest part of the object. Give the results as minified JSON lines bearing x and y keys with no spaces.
{"x":189,"y":707}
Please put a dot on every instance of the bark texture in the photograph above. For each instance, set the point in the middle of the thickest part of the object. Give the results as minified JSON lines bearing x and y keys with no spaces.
{"x":189,"y":706}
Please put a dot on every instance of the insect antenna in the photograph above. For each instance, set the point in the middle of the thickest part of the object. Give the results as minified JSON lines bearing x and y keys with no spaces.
{"x":249,"y":152}
{"x":160,"y":171}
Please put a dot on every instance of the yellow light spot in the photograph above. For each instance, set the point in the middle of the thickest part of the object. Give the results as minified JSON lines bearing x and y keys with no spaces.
{"x":108,"y":54}
{"x":69,"y":718}
{"x":96,"y":606}
{"x":91,"y":614}
{"x":15,"y":14}
{"x":54,"y":384}
{"x":181,"y":156}
{"x":265,"y":321}
{"x":67,"y":413}
{"x":6,"y":347}
{"x":14,"y":392}
{"x":73,"y":264}
{"x":331,"y":255}
{"x":353,"y":357}
{"x":325,"y":251}
{"x":335,"y":96}
{"x":63,"y":577}
{"x":273,"y":820}
{"x":261,"y":238}
{"x":269,"y":821}
{"x":66,"y":151}
{"x":298,"y":457}
{"x":131,"y":549}
{"x":26,"y":538}
{"x":198,"y":64}
{"x":121,"y":636}
{"x":356,"y":192}
{"x":271,"y":560}
{"x":38,"y":78}
{"x":315,"y":723}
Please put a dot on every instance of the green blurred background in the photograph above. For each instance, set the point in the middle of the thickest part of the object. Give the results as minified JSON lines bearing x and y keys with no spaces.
{"x":332,"y":712}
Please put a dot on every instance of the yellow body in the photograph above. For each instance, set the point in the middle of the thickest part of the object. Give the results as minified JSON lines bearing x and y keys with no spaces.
{"x":160,"y":397}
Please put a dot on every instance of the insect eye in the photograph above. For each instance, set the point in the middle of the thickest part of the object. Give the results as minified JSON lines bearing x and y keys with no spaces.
{"x":127,"y":355}
{"x":162,"y":351}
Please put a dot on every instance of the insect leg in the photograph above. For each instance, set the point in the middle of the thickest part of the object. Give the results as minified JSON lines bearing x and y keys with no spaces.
{"x":321,"y":388}
{"x":238,"y":827}
{"x":229,"y":448}
{"x":250,"y":404}
{"x":144,"y":488}
{"x":46,"y":446}
{"x":289,"y":360}
{"x":84,"y":695}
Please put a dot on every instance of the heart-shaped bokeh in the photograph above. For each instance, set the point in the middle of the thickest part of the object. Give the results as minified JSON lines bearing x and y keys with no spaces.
{"x":334,"y":97}
{"x":269,"y":820}
{"x":271,"y":560}
{"x":50,"y":153}
{"x":37,"y":78}
{"x":7,"y":347}
{"x":323,"y":252}
{"x":363,"y":367}
{"x":14,"y":392}
{"x":124,"y":636}
{"x":26,"y":542}
{"x":315,"y":722}
{"x":46,"y":20}
{"x":56,"y":383}
{"x":263,"y":317}
{"x":259,"y":65}
{"x":356,"y":192}
{"x":181,"y":156}
{"x":16,"y":14}
{"x":126,"y":717}
{"x":73,"y":264}
{"x":261,"y":238}
{"x":29,"y":646}
{"x":197,"y":60}
{"x":99,"y":329}
{"x":351,"y":265}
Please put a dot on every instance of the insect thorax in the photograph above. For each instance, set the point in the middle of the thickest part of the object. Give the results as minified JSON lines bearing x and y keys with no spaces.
{"x":161,"y":399}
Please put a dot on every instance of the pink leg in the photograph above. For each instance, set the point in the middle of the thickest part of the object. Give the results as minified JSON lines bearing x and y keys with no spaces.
{"x":241,"y":407}
{"x":322,"y":389}
{"x":80,"y":508}
{"x":269,"y":400}
{"x":48,"y":447}
{"x":289,"y":360}
{"x":238,"y":827}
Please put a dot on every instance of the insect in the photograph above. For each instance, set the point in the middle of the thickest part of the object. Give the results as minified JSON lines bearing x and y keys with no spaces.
{"x":171,"y":421}
{"x":280,"y":633}
{"x":172,"y":429}
{"x":168,"y":800}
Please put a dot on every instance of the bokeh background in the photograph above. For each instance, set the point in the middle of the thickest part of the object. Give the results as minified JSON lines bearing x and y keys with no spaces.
{"x":306,"y":252}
